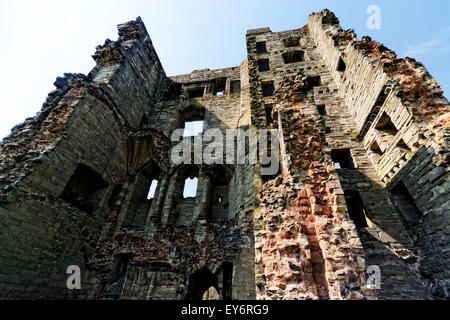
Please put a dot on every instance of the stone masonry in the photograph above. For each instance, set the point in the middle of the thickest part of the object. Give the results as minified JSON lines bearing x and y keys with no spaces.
{"x":364,"y":178}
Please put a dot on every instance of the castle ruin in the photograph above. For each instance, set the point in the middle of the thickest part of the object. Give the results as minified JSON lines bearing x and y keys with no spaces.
{"x":363,"y":180}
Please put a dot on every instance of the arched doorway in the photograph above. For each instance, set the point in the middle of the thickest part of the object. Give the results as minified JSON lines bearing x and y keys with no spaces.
{"x":200,"y":284}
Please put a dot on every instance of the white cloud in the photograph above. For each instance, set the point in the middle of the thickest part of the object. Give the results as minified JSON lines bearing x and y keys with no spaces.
{"x":438,"y":41}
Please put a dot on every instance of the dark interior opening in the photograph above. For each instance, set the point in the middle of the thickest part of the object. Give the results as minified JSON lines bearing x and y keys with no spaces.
{"x":144,"y":121}
{"x":292,"y":42}
{"x":356,"y":209}
{"x":115,"y":288}
{"x":403,"y":146}
{"x":199,"y":283}
{"x":405,"y":204}
{"x":376,"y":151}
{"x":235,"y":86}
{"x":385,"y":124}
{"x":322,"y":110}
{"x":218,"y":86}
{"x":261,"y":47}
{"x":269,"y":118}
{"x":312,"y":82}
{"x":115,"y":195}
{"x":174,"y":91}
{"x":220,"y":190}
{"x":227,"y":281}
{"x":268,"y":89}
{"x":123,"y":260}
{"x":341,"y":65}
{"x":342,"y":158}
{"x":293,"y":56}
{"x":196,"y":92}
{"x":263,"y":65}
{"x":85,"y":189}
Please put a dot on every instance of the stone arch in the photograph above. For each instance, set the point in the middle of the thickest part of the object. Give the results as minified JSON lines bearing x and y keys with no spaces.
{"x":199,"y":283}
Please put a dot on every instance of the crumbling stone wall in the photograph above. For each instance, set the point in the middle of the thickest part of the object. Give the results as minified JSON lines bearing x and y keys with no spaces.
{"x":375,"y":85}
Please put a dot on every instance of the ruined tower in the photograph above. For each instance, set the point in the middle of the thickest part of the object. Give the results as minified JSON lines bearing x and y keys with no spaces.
{"x":363,"y":184}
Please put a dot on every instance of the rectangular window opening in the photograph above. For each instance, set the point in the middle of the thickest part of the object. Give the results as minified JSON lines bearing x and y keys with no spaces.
{"x":293,"y":56}
{"x":342,"y":159}
{"x":292,"y":42}
{"x":261,"y":47}
{"x":386,"y":125}
{"x":356,"y":209}
{"x":227,"y":281}
{"x":322,"y":110}
{"x":312,"y":82}
{"x":235,"y":86}
{"x":85,"y":189}
{"x":263,"y":65}
{"x":218,"y":86}
{"x":268,"y":89}
{"x":196,"y":93}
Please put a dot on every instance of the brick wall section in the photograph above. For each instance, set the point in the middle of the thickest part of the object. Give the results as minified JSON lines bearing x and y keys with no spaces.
{"x":303,"y":225}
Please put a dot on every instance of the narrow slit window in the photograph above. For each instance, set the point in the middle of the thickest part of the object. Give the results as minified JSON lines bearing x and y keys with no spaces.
{"x":356,"y":209}
{"x":341,"y":65}
{"x":269,"y":118}
{"x":152,"y":190}
{"x":115,"y":195}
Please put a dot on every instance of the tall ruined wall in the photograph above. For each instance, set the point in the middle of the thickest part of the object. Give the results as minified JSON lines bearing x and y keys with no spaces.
{"x":306,"y":245}
{"x":413,"y":149}
{"x":83,"y":123}
{"x":181,"y":246}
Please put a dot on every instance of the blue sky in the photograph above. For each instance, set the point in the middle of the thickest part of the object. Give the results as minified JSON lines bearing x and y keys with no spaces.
{"x":43,"y":39}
